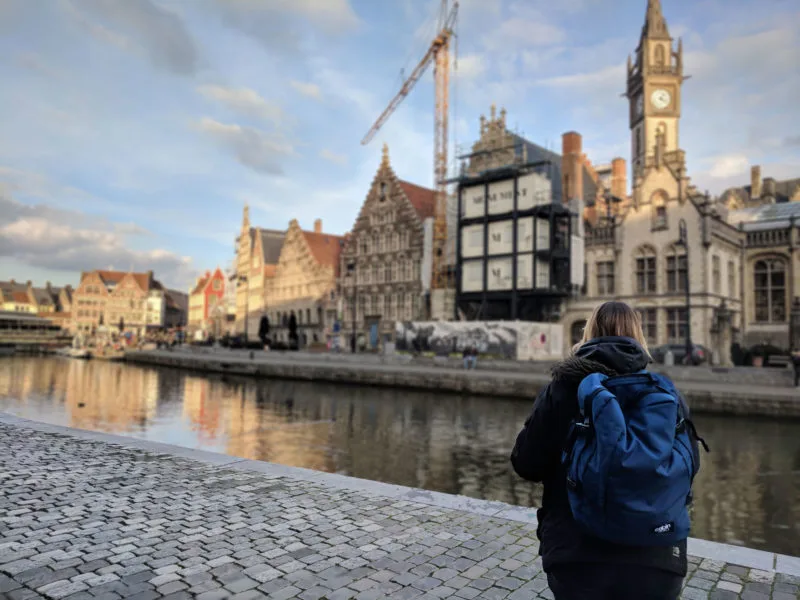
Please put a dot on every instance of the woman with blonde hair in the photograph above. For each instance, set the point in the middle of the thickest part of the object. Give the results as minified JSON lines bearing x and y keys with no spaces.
{"x":586,"y":557}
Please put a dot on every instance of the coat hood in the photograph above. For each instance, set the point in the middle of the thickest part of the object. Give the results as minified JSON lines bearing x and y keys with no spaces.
{"x":607,"y":355}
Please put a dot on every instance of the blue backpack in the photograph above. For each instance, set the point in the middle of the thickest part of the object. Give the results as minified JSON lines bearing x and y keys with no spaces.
{"x":630,"y":460}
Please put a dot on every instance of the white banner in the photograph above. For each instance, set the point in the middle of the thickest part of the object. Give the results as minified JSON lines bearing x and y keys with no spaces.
{"x":501,"y":240}
{"x":525,"y":235}
{"x":472,"y":241}
{"x":542,"y":234}
{"x":472,"y":276}
{"x":501,"y":197}
{"x":542,"y":274}
{"x":499,"y":274}
{"x":533,"y":189}
{"x":473,"y":202}
{"x":524,"y":271}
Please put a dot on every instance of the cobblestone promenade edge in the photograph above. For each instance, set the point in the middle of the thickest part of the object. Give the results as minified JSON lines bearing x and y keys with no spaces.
{"x":86,"y":515}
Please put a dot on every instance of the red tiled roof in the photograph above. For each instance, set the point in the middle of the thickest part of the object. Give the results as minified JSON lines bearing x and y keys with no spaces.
{"x":201,"y":284}
{"x":422,"y":199}
{"x":325,"y":248}
{"x":20,"y":297}
{"x":142,"y":279}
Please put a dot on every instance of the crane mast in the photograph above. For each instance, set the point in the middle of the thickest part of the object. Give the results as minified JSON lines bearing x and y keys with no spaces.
{"x":438,"y":54}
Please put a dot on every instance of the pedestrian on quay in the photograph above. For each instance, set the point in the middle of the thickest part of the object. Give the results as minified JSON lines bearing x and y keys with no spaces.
{"x":470,"y":356}
{"x":796,"y":365}
{"x":263,"y":331}
{"x":603,"y":414}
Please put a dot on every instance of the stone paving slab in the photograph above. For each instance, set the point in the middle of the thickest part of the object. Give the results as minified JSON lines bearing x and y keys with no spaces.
{"x":85,"y":516}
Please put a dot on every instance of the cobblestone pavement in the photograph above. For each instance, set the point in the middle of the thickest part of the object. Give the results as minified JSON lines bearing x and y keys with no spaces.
{"x":83,"y":519}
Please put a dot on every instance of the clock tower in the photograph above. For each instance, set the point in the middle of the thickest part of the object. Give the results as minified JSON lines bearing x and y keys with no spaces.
{"x":654,"y":92}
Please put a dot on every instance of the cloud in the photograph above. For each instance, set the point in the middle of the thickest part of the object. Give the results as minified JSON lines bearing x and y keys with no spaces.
{"x":310,"y":90}
{"x":792,"y":141}
{"x":283,"y":25}
{"x":49,"y":238}
{"x":245,"y":101}
{"x":337,"y":159}
{"x":728,"y":166}
{"x":139,"y":26}
{"x":527,"y":26}
{"x":261,"y":151}
{"x":471,"y":66}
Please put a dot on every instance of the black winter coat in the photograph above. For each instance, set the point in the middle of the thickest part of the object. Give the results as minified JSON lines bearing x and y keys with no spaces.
{"x":537,"y":457}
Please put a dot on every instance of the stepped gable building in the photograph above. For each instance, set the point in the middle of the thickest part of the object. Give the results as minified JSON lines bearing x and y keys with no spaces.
{"x":257,"y":254}
{"x":120,"y":301}
{"x":385,"y":270}
{"x":304,"y":283}
{"x":206,"y":303}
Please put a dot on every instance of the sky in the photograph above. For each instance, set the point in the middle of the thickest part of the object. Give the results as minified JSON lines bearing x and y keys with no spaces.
{"x":133,"y":132}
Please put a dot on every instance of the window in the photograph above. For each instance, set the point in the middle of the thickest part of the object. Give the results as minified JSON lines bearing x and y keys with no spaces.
{"x":731,"y":279}
{"x":676,"y":325}
{"x":649,"y":324}
{"x":375,"y":275}
{"x":401,"y":307}
{"x":676,"y":269}
{"x":770,"y":291}
{"x":394,"y":271}
{"x":660,"y":218}
{"x":217,"y":285}
{"x":308,"y":316}
{"x":605,"y":278}
{"x":374,"y":307}
{"x":646,"y":271}
{"x":387,"y":273}
{"x":383,"y":192}
{"x":716,"y":274}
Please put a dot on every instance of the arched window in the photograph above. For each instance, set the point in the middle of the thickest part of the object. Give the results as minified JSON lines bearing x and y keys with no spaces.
{"x":645,"y":270}
{"x":576,"y":331}
{"x":661,"y":58}
{"x":676,"y":269}
{"x":769,"y":286}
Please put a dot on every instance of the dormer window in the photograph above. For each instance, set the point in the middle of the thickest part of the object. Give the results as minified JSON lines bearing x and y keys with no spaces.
{"x":382,"y":196}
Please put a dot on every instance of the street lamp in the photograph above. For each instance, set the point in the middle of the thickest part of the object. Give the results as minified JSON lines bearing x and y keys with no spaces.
{"x":683,"y":240}
{"x":351,"y":272}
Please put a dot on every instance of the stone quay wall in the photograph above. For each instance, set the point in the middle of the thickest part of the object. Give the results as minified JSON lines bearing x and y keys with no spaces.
{"x":720,"y":397}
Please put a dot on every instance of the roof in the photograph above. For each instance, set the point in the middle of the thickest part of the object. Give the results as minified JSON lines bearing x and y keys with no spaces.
{"x":766,"y":216}
{"x":271,"y":244}
{"x":42,"y":296}
{"x":111,"y":278}
{"x":270,"y":270}
{"x":201,"y":284}
{"x":325,"y":248}
{"x":783,"y":190}
{"x":422,"y":199}
{"x":20,"y":297}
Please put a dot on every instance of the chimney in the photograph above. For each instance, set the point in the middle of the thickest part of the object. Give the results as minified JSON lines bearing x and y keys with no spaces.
{"x":29,"y":284}
{"x":208,"y":274}
{"x":769,"y":187}
{"x":619,"y":181}
{"x":318,"y":226}
{"x":572,"y":166}
{"x":150,"y":278}
{"x":755,"y":182}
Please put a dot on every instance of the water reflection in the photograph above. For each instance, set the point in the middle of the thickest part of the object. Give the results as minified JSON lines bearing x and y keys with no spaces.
{"x":748,"y":492}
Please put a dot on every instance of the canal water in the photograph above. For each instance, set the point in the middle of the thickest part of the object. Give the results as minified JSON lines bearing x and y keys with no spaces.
{"x":747,"y":493}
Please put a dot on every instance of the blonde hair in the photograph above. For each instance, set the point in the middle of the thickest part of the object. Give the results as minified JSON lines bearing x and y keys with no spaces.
{"x":614,"y":319}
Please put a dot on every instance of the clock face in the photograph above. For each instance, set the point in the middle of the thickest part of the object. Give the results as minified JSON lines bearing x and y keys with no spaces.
{"x":660,"y":99}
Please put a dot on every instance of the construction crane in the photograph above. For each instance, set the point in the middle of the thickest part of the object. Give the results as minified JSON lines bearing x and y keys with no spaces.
{"x":438,"y":54}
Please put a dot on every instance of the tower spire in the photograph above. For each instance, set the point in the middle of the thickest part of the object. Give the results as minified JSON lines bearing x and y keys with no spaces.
{"x":655,"y":26}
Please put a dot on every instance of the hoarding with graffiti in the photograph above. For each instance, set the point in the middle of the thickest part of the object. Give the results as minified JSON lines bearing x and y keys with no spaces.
{"x":513,"y":340}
